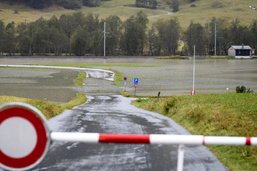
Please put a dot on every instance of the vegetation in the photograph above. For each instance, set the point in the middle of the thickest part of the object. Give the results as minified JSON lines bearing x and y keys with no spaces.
{"x":243,"y":89}
{"x":68,"y":4}
{"x":80,"y":79}
{"x":118,"y":78}
{"x":81,"y":35}
{"x":228,"y":114}
{"x":49,"y":109}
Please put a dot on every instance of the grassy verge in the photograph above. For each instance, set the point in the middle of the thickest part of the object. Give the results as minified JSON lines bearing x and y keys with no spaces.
{"x":223,"y":114}
{"x":118,"y":78}
{"x":80,"y":79}
{"x":49,"y":109}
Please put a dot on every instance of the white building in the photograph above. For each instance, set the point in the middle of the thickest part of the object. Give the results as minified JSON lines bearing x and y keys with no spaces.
{"x":240,"y":51}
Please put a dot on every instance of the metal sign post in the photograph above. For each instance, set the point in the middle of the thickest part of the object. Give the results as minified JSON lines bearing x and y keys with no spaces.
{"x":135,"y":85}
{"x":125,"y":83}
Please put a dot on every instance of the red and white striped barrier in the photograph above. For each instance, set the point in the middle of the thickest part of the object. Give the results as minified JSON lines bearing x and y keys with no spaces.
{"x":152,"y":139}
{"x":25,"y":153}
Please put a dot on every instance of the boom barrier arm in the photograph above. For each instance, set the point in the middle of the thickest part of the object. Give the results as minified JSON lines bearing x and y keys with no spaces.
{"x":152,"y":139}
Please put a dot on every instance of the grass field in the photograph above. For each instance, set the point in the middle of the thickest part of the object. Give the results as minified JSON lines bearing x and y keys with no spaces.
{"x":203,"y":12}
{"x":212,"y":114}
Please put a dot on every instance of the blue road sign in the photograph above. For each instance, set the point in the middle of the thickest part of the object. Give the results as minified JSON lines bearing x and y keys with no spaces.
{"x":135,"y":81}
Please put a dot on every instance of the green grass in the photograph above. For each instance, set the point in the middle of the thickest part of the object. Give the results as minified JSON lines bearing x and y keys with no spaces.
{"x":80,"y":79}
{"x":218,"y":115}
{"x":202,"y":13}
{"x":118,"y":78}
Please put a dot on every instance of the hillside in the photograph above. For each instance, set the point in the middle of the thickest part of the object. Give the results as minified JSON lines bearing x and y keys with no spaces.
{"x":199,"y":11}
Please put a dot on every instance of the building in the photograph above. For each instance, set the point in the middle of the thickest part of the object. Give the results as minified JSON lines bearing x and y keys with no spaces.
{"x":240,"y":51}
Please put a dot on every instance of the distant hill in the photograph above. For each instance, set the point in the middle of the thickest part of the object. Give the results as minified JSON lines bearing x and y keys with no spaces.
{"x":188,"y":10}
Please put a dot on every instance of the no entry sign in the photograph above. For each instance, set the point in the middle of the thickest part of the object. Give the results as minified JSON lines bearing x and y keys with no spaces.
{"x":24,"y":136}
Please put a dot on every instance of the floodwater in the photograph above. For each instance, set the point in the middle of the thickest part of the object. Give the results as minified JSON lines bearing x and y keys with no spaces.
{"x":51,"y":85}
{"x":170,"y":77}
{"x":107,"y":112}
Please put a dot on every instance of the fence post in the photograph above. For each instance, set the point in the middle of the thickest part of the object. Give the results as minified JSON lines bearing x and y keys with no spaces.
{"x":180,"y":164}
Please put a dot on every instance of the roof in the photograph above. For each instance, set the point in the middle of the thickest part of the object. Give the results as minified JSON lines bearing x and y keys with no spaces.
{"x":241,"y":47}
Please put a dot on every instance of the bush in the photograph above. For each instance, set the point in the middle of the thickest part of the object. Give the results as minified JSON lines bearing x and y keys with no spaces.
{"x":243,"y":89}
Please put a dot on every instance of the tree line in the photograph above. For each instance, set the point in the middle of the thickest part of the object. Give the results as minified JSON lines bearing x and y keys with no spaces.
{"x":80,"y":34}
{"x":68,"y":4}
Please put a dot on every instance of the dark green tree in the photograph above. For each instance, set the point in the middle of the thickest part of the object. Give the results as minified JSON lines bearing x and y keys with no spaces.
{"x":113,"y":36}
{"x":154,"y":42}
{"x":24,"y":39}
{"x":253,"y":30}
{"x":95,"y":28}
{"x":175,"y":5}
{"x":9,"y":39}
{"x":2,"y":35}
{"x":91,"y":3}
{"x":134,"y":37}
{"x":195,"y":35}
{"x":79,"y":42}
{"x":169,"y":32}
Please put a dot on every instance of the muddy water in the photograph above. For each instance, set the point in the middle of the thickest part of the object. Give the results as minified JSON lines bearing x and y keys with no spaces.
{"x":170,"y":77}
{"x":52,"y":85}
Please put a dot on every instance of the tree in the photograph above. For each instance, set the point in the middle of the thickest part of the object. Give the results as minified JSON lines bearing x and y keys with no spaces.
{"x":169,"y":33}
{"x":154,"y":42}
{"x":175,"y":5}
{"x":253,"y":30}
{"x":2,"y":34}
{"x":134,"y":36}
{"x":91,"y":3}
{"x":9,"y":39}
{"x":39,"y":4}
{"x":147,"y":4}
{"x":79,"y":42}
{"x":24,"y":39}
{"x":239,"y":34}
{"x":113,"y":28}
{"x":95,"y":28}
{"x":68,"y":26}
{"x":195,"y":35}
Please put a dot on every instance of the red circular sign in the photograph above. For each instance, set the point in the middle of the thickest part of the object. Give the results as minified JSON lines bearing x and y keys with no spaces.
{"x":20,"y":112}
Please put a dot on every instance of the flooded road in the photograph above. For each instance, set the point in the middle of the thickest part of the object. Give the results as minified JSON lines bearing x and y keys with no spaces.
{"x":107,"y":112}
{"x":114,"y":114}
{"x":170,"y":77}
{"x":52,"y":85}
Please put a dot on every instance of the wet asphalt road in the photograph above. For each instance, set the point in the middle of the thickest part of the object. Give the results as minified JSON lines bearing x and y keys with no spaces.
{"x":106,"y":112}
{"x":114,"y":114}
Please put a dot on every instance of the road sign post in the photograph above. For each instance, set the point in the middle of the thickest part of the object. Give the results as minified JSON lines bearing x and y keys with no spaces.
{"x":24,"y":136}
{"x":125,"y":83}
{"x":135,"y":85}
